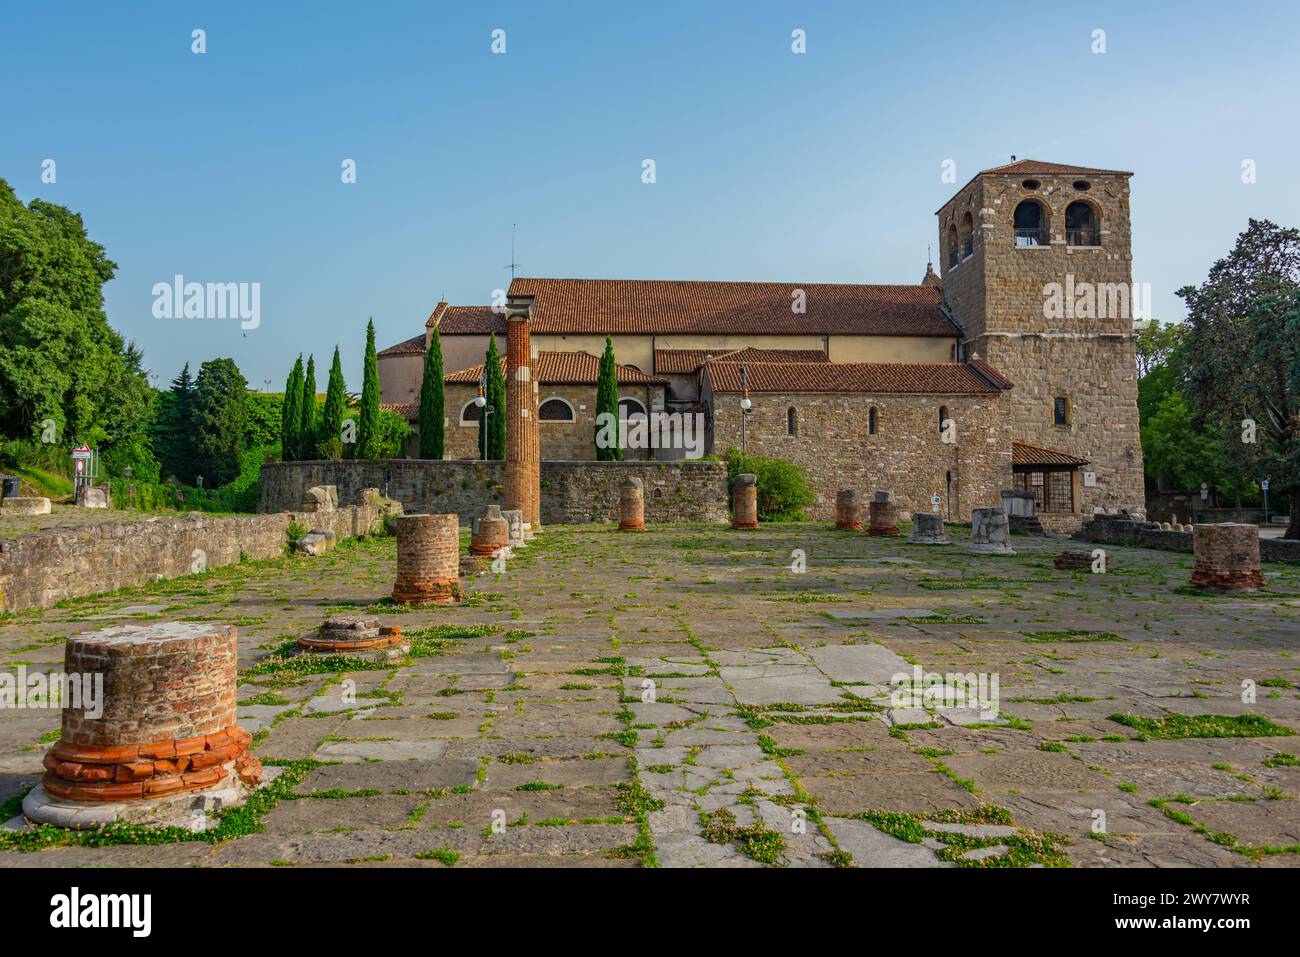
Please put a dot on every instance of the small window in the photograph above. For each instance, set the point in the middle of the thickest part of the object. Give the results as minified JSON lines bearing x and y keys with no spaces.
{"x":872,"y":421}
{"x":1082,"y":185}
{"x":966,"y":235}
{"x":555,"y":410}
{"x":954,"y":256}
{"x":1061,"y":411}
{"x":943,"y":417}
{"x":630,"y":409}
{"x":791,"y":422}
{"x":1030,"y":184}
{"x":470,"y":413}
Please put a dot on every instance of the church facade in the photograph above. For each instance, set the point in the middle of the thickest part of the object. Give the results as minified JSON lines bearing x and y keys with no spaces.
{"x":1014,"y":369}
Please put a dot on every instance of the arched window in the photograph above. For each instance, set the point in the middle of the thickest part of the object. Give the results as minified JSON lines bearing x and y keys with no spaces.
{"x":630,"y":409}
{"x":556,"y":410}
{"x":470,"y":413}
{"x":1082,"y":224}
{"x":1031,"y":223}
{"x":943,"y":417}
{"x":872,"y":421}
{"x":966,"y":235}
{"x":791,"y":421}
{"x":953,"y":251}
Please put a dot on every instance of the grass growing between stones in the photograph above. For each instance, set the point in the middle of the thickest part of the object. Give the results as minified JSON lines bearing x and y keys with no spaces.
{"x":755,"y":841}
{"x":1201,"y":726}
{"x":1024,"y":848}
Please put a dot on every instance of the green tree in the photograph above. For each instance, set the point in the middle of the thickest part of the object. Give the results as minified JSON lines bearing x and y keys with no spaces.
{"x":291,"y":414}
{"x":492,"y":428}
{"x":433,"y":402}
{"x":368,"y":440}
{"x":220,"y":421}
{"x":607,"y":404}
{"x":331,"y":428}
{"x":174,"y":425}
{"x":60,"y":361}
{"x":1243,"y":355}
{"x":309,"y":414}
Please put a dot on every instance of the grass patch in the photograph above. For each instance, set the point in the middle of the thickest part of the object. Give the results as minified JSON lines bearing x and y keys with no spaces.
{"x":1202,"y":726}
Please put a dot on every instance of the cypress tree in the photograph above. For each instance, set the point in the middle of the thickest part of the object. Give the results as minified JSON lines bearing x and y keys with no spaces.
{"x":291,"y":414}
{"x":331,"y":426}
{"x":495,"y":393}
{"x":433,"y":402}
{"x":607,"y":402}
{"x":175,"y":429}
{"x":368,"y":426}
{"x":309,"y":420}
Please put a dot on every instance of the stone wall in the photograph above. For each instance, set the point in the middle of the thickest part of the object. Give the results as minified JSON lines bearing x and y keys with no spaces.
{"x":572,"y":492}
{"x":906,"y":455}
{"x":1122,"y":530}
{"x":997,"y":293}
{"x":42,"y":568}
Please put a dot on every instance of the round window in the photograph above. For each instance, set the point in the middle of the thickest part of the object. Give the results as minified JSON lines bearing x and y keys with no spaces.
{"x":1081,"y":185}
{"x":1030,"y":184}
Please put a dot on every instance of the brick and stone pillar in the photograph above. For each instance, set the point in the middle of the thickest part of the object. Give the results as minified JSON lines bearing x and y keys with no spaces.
{"x":631,"y":506}
{"x":744,"y":501}
{"x":848,"y":511}
{"x":523,"y":468}
{"x":884,"y":515}
{"x":927,"y":529}
{"x":428,"y":559}
{"x":1227,"y":557}
{"x":491,"y":533}
{"x":161,"y":724}
{"x":990,"y":532}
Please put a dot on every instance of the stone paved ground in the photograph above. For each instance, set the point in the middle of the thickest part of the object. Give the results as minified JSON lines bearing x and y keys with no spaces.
{"x":683,"y":697}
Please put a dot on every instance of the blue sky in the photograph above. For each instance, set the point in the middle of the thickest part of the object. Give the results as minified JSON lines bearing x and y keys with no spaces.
{"x":821,"y":167}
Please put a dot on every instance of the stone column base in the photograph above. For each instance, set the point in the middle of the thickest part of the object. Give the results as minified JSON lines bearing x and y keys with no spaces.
{"x":408,"y":592}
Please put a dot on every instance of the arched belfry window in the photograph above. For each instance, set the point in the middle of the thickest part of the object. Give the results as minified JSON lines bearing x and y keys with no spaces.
{"x":1082,"y":224}
{"x":954,"y":252}
{"x":791,"y":421}
{"x":966,"y":234}
{"x":556,"y":410}
{"x":873,"y":421}
{"x":1031,"y":223}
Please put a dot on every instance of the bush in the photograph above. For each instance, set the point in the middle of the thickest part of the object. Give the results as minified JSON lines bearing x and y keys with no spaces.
{"x":783,"y":487}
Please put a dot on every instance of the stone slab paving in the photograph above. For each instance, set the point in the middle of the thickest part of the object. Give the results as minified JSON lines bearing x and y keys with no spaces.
{"x":686,"y":700}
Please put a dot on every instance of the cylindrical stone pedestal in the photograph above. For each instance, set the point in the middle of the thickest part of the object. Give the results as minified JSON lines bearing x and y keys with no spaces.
{"x":990,"y":532}
{"x":884,"y":515}
{"x":927,"y":529}
{"x":1227,"y":557}
{"x":631,"y":506}
{"x":491,"y":533}
{"x":744,"y":501}
{"x":848,"y":511}
{"x":428,"y":559}
{"x":345,"y":634}
{"x":149,"y":713}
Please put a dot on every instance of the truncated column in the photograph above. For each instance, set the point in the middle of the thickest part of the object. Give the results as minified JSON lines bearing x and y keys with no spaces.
{"x":428,"y":559}
{"x":744,"y":501}
{"x":1227,"y":557}
{"x":631,"y":506}
{"x":848,"y":511}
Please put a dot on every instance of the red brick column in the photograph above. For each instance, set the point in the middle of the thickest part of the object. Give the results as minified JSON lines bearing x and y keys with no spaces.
{"x":535,"y":451}
{"x":523,"y":469}
{"x":884,"y":515}
{"x":744,"y":501}
{"x":167,"y":723}
{"x":1227,"y":557}
{"x":428,"y":559}
{"x":491,"y":533}
{"x":631,"y":506}
{"x":848,"y":511}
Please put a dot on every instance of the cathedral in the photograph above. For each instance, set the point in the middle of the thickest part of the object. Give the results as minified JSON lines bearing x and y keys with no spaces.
{"x":945,"y":392}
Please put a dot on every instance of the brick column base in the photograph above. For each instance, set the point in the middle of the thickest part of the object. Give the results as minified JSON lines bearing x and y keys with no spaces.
{"x":1227,"y":557}
{"x":744,"y":501}
{"x":848,"y":512}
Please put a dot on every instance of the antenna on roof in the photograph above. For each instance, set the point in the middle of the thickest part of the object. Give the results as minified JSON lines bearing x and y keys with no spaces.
{"x":1013,"y":157}
{"x":512,"y":264}
{"x":929,"y":259}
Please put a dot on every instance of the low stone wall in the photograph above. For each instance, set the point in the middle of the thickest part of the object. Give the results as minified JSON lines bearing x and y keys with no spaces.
{"x":42,"y":568}
{"x":572,"y":492}
{"x":1122,"y":530}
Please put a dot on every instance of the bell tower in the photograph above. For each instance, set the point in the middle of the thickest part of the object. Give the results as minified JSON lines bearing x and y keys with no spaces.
{"x":1037,"y":270}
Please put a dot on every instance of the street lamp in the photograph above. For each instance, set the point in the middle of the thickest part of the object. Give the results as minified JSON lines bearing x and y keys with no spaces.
{"x":480,"y":403}
{"x":745,"y":405}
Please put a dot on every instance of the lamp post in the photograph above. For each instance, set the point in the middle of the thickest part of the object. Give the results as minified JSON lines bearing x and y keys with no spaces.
{"x":480,"y":403}
{"x":745,"y":405}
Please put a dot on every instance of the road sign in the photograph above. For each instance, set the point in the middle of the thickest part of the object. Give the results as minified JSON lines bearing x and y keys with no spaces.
{"x":82,"y":454}
{"x":1264,"y":485}
{"x":934,"y":503}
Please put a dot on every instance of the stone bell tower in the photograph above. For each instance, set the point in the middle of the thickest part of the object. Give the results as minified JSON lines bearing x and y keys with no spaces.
{"x":1037,"y":270}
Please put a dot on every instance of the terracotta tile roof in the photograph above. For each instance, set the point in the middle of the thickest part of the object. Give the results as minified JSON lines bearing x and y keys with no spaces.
{"x":1028,"y":167}
{"x":688,"y":360}
{"x":413,"y":346}
{"x":566,"y":368}
{"x":990,"y":373}
{"x":466,"y":320}
{"x":665,"y":307}
{"x":921,"y":378}
{"x":408,"y":410}
{"x":1023,"y":453}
